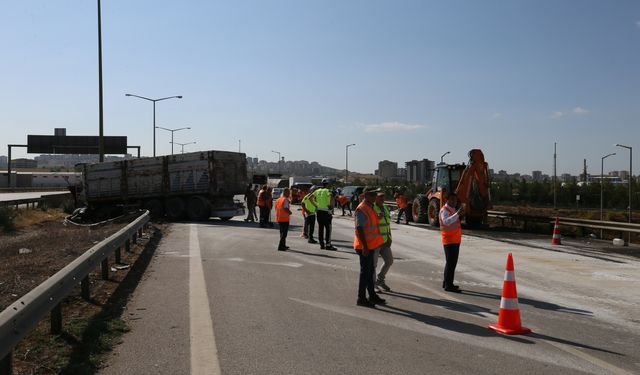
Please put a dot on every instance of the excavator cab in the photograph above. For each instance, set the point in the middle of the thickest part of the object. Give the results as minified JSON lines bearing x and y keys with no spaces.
{"x":471,"y":184}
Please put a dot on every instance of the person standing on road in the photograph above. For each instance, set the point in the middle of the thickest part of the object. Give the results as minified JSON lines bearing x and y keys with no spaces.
{"x":269,"y":201}
{"x":401,"y":201}
{"x":324,"y":202}
{"x":384,"y":217}
{"x":283,"y":212}
{"x":262,"y":205}
{"x":309,"y":208}
{"x":250,"y":198}
{"x":451,"y":238}
{"x":366,"y":242}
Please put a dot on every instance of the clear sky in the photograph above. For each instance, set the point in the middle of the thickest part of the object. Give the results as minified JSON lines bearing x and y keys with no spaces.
{"x":402,"y":79}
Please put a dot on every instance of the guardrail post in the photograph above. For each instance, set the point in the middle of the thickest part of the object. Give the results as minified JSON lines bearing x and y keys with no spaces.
{"x":56,"y":319}
{"x":127,"y":245}
{"x":85,"y":289}
{"x":134,"y":237}
{"x":5,"y":364}
{"x":105,"y":268}
{"x":118,"y":255}
{"x":140,"y":232}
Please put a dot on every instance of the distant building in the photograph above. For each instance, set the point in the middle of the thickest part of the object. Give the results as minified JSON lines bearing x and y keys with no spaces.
{"x":3,"y":161}
{"x":70,"y":160}
{"x":536,"y":176}
{"x":24,"y":163}
{"x":387,"y":169}
{"x":420,"y":171}
{"x":566,"y":177}
{"x":624,"y":175}
{"x":402,"y":173}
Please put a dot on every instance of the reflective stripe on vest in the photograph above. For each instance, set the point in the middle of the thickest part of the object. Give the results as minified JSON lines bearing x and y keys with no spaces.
{"x":371,"y":229}
{"x":385,"y":228}
{"x":282,"y":214}
{"x":452,"y":233}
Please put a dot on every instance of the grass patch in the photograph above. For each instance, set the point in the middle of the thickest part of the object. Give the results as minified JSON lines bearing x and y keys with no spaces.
{"x":27,"y":218}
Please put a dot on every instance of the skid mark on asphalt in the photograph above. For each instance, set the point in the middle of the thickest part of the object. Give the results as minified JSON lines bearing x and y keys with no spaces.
{"x":466,"y":333}
{"x":204,"y":355}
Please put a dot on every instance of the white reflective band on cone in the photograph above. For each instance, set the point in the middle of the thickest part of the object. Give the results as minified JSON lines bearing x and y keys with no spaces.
{"x":509,"y":276}
{"x":509,"y":303}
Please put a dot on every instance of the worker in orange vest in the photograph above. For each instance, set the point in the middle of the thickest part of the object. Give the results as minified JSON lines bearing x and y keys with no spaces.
{"x":262,"y":205}
{"x":401,"y":201}
{"x":451,"y":237}
{"x":283,"y":212}
{"x":366,"y":241}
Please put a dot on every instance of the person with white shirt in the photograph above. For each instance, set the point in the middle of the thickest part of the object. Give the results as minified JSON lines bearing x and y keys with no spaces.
{"x":451,"y":237}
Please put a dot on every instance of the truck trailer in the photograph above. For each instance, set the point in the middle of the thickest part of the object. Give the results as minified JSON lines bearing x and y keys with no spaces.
{"x":195,"y":185}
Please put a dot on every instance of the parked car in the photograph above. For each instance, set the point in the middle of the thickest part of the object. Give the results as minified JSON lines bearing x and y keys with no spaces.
{"x":276,"y":193}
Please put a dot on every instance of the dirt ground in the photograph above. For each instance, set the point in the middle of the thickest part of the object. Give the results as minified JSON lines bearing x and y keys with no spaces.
{"x":33,"y":253}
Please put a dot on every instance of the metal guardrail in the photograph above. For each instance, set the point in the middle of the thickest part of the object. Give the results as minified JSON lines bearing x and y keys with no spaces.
{"x":17,"y":320}
{"x":614,"y":226}
{"x":35,"y":201}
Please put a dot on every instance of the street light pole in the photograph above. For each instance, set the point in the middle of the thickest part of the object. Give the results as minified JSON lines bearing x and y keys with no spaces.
{"x":630,"y":176}
{"x":602,"y":187}
{"x":100,"y":104}
{"x":346,"y":162}
{"x":172,"y":131}
{"x":154,"y":113}
{"x":443,"y":155}
{"x":183,"y":144}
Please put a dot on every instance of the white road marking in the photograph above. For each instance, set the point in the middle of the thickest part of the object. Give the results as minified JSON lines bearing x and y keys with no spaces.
{"x":204,"y":355}
{"x":285,"y":264}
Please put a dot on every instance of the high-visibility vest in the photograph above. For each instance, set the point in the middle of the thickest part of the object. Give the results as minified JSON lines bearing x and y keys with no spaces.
{"x":384,"y":221}
{"x":401,"y":201}
{"x":371,"y":229}
{"x":282,"y":213}
{"x":342,"y":200}
{"x":308,"y":206}
{"x":323,"y":198}
{"x":451,"y":234}
{"x":262,"y":201}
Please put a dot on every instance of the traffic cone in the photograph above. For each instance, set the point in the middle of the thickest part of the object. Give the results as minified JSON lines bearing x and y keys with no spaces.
{"x":556,"y":240}
{"x":509,"y":315}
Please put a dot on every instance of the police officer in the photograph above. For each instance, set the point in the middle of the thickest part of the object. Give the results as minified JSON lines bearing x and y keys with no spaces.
{"x":325,"y":203}
{"x":309,"y":208}
{"x":384,"y":251}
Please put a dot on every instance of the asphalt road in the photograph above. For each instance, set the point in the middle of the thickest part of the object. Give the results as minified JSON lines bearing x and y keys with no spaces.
{"x":219,"y":298}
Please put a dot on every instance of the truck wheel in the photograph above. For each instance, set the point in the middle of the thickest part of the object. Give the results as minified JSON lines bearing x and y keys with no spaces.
{"x":419,"y":209}
{"x":198,"y":208}
{"x":155,"y":208}
{"x":434,"y":213}
{"x":175,"y":208}
{"x":226,"y":218}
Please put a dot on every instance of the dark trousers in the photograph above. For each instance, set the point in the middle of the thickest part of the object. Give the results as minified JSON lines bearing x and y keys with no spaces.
{"x":309,"y":226}
{"x":284,"y":229}
{"x":251,"y":212}
{"x":366,"y":275}
{"x":264,"y":216}
{"x":404,"y":211}
{"x":324,"y":227}
{"x":347,"y":205}
{"x":451,"y":252}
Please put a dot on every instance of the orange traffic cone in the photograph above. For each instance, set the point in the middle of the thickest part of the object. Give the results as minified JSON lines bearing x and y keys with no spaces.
{"x":509,"y":315}
{"x":556,"y":240}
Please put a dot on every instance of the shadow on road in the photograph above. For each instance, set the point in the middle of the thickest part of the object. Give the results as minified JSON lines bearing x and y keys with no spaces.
{"x":449,"y":305}
{"x":534,"y":303}
{"x":314,"y":254}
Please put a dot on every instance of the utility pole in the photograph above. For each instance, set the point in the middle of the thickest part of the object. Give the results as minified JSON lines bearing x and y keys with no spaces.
{"x":100,"y":105}
{"x":554,"y":176}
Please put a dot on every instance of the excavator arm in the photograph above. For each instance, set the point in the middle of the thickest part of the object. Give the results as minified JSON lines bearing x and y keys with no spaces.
{"x":473,"y":186}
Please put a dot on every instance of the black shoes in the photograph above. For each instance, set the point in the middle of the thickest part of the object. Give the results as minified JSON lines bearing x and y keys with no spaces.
{"x":365,"y":303}
{"x":283,"y":248}
{"x":382,"y":285}
{"x":453,"y":289}
{"x":330,"y":247}
{"x":311,"y":240}
{"x":377,"y":301}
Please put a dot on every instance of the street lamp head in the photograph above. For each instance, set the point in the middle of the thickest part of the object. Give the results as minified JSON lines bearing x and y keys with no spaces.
{"x":127,"y":94}
{"x":179,"y":96}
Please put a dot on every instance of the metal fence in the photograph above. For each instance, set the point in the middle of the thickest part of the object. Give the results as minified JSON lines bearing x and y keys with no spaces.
{"x":17,"y":320}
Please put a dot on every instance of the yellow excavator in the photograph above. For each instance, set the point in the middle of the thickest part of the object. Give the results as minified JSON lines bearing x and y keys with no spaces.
{"x":469,"y":182}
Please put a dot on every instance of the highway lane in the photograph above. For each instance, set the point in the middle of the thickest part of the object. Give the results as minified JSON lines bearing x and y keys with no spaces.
{"x":294,"y":312}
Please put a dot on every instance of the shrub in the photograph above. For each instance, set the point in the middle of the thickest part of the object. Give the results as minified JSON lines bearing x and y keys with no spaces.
{"x":7,"y":217}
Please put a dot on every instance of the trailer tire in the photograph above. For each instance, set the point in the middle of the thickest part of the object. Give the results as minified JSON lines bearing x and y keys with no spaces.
{"x":155,"y":208}
{"x":419,"y":209}
{"x":198,"y":208}
{"x":434,"y":213}
{"x":175,"y":208}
